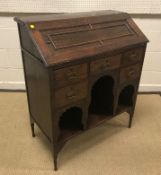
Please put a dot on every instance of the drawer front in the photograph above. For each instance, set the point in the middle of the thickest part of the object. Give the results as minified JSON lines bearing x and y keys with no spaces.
{"x":70,"y":74}
{"x":130,"y":73}
{"x":70,"y":94}
{"x":133,"y":56}
{"x":105,"y":64}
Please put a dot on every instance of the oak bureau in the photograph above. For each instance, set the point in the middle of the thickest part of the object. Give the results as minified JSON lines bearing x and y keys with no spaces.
{"x":80,"y":70}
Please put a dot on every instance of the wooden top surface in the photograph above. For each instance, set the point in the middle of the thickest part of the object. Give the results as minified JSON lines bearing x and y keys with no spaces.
{"x":62,"y":38}
{"x":60,"y":16}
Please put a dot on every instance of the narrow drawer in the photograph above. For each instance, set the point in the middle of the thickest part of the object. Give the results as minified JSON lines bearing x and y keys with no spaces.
{"x":130,"y":73}
{"x":105,"y":64}
{"x":70,"y":74}
{"x":133,"y":56}
{"x":67,"y":95}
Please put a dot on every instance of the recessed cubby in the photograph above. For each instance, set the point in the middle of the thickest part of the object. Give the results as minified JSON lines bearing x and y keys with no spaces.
{"x":101,"y":106}
{"x":102,"y":96}
{"x":70,"y":122}
{"x":126,"y":97}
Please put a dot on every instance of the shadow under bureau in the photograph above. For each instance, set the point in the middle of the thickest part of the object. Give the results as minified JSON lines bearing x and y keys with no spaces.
{"x":80,"y":70}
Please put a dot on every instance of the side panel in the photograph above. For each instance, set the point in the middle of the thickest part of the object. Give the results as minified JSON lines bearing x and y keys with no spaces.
{"x":38,"y":86}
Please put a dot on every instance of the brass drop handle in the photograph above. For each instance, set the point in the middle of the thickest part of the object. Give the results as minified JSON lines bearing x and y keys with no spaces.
{"x":71,"y":75}
{"x":71,"y":95}
{"x":105,"y":65}
{"x":132,"y":57}
{"x":131,"y":73}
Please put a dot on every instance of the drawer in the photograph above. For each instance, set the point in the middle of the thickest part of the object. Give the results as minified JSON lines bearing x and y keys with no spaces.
{"x":133,"y":56}
{"x":105,"y":64}
{"x":69,"y":94}
{"x":70,"y":74}
{"x":130,"y":73}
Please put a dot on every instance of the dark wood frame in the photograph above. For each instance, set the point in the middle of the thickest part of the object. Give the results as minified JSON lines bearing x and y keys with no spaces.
{"x":40,"y":65}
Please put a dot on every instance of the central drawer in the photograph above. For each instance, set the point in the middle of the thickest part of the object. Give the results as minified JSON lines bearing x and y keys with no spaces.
{"x":70,"y":75}
{"x":105,"y":64}
{"x":69,"y":94}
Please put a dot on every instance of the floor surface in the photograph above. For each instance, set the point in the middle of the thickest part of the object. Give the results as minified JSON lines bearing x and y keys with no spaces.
{"x":110,"y":149}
